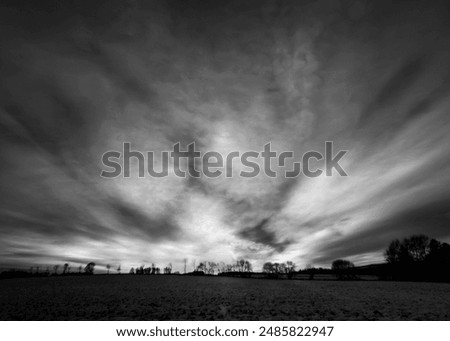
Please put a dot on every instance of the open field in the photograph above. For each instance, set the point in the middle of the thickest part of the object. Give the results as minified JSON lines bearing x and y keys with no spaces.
{"x":218,"y":298}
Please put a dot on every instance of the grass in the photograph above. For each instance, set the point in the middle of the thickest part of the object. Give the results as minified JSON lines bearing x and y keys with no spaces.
{"x":218,"y":298}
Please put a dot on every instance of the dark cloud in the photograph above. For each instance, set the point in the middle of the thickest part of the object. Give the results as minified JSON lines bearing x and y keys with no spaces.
{"x":136,"y":221}
{"x":260,"y":233}
{"x":432,"y":219}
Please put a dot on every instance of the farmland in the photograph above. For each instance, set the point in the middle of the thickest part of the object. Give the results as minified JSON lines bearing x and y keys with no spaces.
{"x":125,"y":297}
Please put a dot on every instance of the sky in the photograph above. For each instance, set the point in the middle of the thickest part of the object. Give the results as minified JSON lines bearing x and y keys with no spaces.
{"x":80,"y":78}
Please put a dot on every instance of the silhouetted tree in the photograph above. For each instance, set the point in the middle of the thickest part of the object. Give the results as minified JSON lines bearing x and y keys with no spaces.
{"x":392,"y":253}
{"x":311,"y":271}
{"x":118,"y":269}
{"x":140,"y":270}
{"x":65,"y":268}
{"x":241,"y":264}
{"x":268,"y":267}
{"x":290,"y":266}
{"x":290,"y":269}
{"x":438,"y":252}
{"x":55,"y":268}
{"x":412,"y":249}
{"x":271,"y":269}
{"x":107,"y":268}
{"x":410,"y":258}
{"x":276,"y":267}
{"x":167,"y":270}
{"x":131,"y":271}
{"x":201,"y":267}
{"x":222,"y":267}
{"x":343,"y":269}
{"x":437,"y":262}
{"x":417,"y":247}
{"x":211,"y":267}
{"x":89,"y":268}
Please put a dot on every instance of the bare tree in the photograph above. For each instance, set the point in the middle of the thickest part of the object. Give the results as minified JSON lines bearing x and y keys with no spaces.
{"x":412,"y":249}
{"x":343,"y":269}
{"x":89,"y":268}
{"x":392,"y":253}
{"x":290,"y":269}
{"x":214,"y":266}
{"x":290,"y":266}
{"x":268,"y":267}
{"x":65,"y":268}
{"x":241,"y":264}
{"x":201,"y":267}
{"x":222,"y":267}
{"x":276,"y":267}
{"x":248,"y":266}
{"x":418,"y":246}
{"x":310,"y":270}
{"x":139,"y":270}
{"x":118,"y":269}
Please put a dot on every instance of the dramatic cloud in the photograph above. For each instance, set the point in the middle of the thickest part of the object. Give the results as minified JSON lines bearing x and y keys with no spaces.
{"x":79,"y":79}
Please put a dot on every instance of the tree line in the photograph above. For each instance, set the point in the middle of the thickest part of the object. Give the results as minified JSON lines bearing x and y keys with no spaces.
{"x":414,"y":258}
{"x":418,"y":258}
